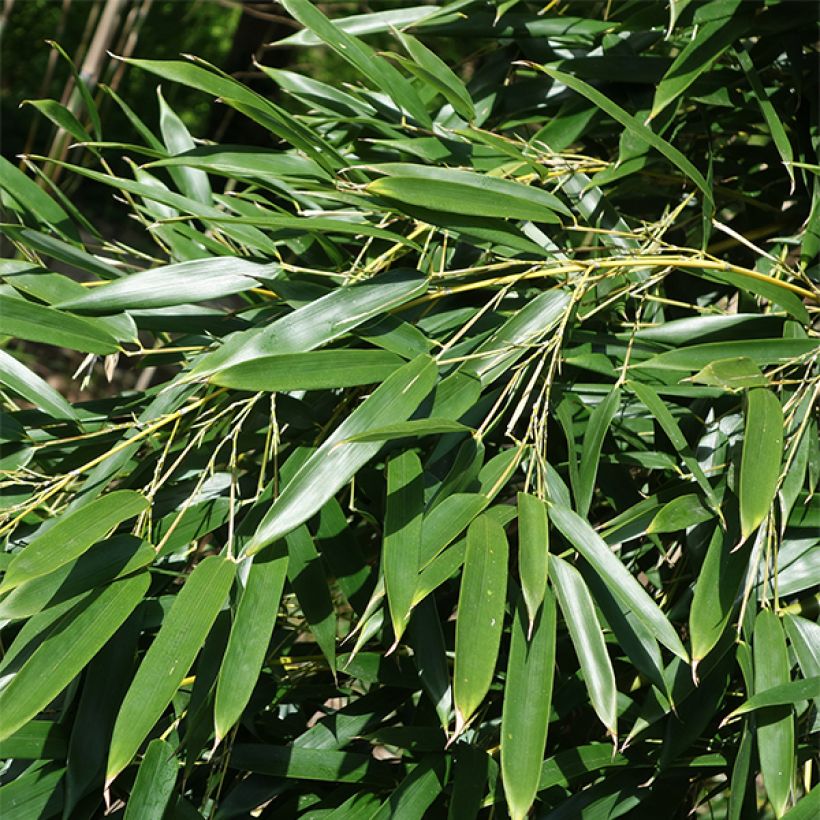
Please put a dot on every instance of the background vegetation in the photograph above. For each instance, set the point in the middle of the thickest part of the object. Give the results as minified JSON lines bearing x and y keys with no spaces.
{"x":443,"y":443}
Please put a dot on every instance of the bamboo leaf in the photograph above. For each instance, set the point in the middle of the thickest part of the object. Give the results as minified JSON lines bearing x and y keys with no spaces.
{"x":713,"y":38}
{"x":169,"y":658}
{"x":38,"y":323}
{"x":588,"y":640}
{"x":760,"y":461}
{"x":171,"y":285}
{"x":315,"y":324}
{"x":155,"y":781}
{"x":625,"y":588}
{"x":480,"y":616}
{"x":402,"y":537}
{"x":599,"y":422}
{"x":785,"y":694}
{"x":30,"y":386}
{"x":362,"y":58}
{"x":464,"y":192}
{"x":533,"y":552}
{"x":336,"y":461}
{"x":527,"y":704}
{"x":775,"y":726}
{"x":634,"y":127}
{"x":71,"y":535}
{"x":250,"y":635}
{"x":63,"y":654}
{"x":319,"y":370}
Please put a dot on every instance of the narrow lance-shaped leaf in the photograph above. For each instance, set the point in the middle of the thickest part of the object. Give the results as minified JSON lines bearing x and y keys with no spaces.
{"x":622,"y":584}
{"x":761,"y":457}
{"x":38,"y":323}
{"x":402,"y":536}
{"x":716,"y":589}
{"x":599,"y":422}
{"x":785,"y":694}
{"x":588,"y":640}
{"x":775,"y":726}
{"x":179,"y":284}
{"x":64,"y":654}
{"x":468,"y":193}
{"x":315,"y":370}
{"x":361,"y":57}
{"x":169,"y":658}
{"x":664,"y":417}
{"x":336,"y":462}
{"x":307,"y":577}
{"x":71,"y":535}
{"x":30,"y":386}
{"x":634,"y":126}
{"x":533,"y":552}
{"x":527,"y":704}
{"x":194,"y":183}
{"x":480,"y":617}
{"x":316,"y":323}
{"x":250,"y":635}
{"x":712,"y":39}
{"x":154,"y":784}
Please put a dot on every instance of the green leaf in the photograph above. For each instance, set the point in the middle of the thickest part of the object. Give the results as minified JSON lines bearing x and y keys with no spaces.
{"x":416,"y":792}
{"x":31,"y":387}
{"x":761,"y":457}
{"x":778,"y":132}
{"x":37,"y":740}
{"x":169,"y":658}
{"x":433,"y":70}
{"x":785,"y":694}
{"x":155,"y":781}
{"x":807,"y":807}
{"x":599,"y":422}
{"x":465,"y":192}
{"x":113,"y":558}
{"x":31,"y":197}
{"x":250,"y":635}
{"x":414,"y":428}
{"x":775,"y":726}
{"x":402,"y":537}
{"x":731,"y":374}
{"x":480,"y":619}
{"x":337,"y":461}
{"x":307,"y":577}
{"x":760,"y":351}
{"x":71,"y":535}
{"x":716,"y":589}
{"x":170,"y":285}
{"x":588,"y":640}
{"x":65,"y":652}
{"x":376,"y":69}
{"x":621,"y":583}
{"x":38,"y":323}
{"x":679,"y":514}
{"x":193,"y":182}
{"x":316,"y":323}
{"x":527,"y":704}
{"x":634,"y":127}
{"x":697,"y":57}
{"x":319,"y":370}
{"x":533,"y":552}
{"x":664,"y":417}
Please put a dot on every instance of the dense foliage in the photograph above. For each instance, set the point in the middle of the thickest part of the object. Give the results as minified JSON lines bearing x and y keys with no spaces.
{"x":474,"y":461}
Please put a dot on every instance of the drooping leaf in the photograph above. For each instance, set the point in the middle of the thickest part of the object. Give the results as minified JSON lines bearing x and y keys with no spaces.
{"x":527,"y":704}
{"x":480,"y":616}
{"x":760,"y":461}
{"x":169,"y":658}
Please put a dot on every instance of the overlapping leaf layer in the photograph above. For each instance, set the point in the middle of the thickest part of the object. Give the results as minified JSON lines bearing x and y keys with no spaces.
{"x":476,"y":459}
